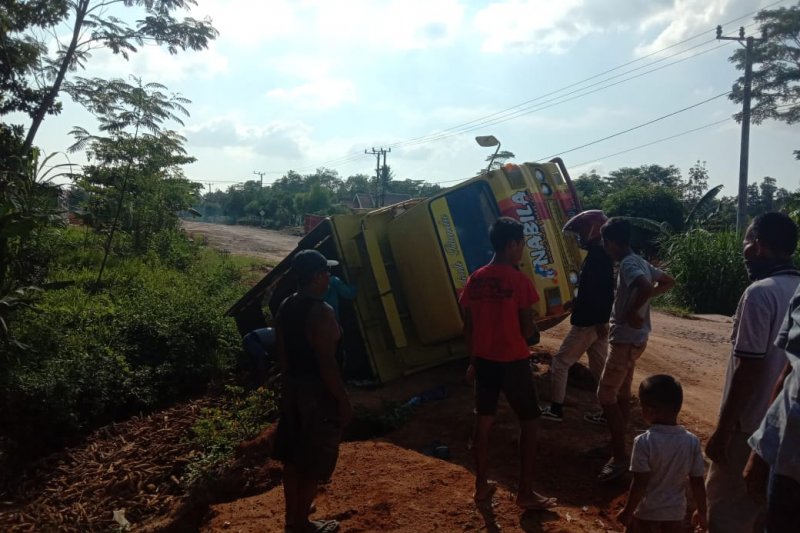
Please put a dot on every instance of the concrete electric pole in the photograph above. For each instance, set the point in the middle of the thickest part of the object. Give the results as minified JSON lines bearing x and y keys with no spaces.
{"x":744,"y":149}
{"x":379,"y":170}
{"x":261,"y":175}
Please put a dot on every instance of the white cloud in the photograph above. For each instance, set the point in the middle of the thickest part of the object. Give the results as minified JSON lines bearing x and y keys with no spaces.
{"x":530,"y":25}
{"x":321,"y":93}
{"x":386,"y":24}
{"x":276,"y":139}
{"x":246,"y":23}
{"x":152,"y":63}
{"x":684,"y":18}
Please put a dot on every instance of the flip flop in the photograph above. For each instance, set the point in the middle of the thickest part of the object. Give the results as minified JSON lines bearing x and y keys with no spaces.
{"x":543,"y":505}
{"x":490,"y":490}
{"x":323,"y":526}
{"x":611,"y":471}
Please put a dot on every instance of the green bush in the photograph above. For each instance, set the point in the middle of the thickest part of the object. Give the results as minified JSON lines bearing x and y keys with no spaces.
{"x":242,"y":417}
{"x":708,"y":268}
{"x":154,"y":334}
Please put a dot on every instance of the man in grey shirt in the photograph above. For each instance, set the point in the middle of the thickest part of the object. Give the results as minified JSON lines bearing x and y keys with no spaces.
{"x":754,"y":367}
{"x":637,"y":283}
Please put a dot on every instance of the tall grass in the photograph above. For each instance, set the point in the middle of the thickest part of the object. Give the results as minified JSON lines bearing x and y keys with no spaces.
{"x":708,"y":268}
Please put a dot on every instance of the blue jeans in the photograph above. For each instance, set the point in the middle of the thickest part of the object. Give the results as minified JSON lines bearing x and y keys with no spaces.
{"x":783,"y":503}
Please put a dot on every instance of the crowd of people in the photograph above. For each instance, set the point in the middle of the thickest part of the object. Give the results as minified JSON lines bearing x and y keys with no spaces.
{"x":753,"y":482}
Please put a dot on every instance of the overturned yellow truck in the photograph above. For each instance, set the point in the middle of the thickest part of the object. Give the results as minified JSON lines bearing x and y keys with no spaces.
{"x":410,"y":262}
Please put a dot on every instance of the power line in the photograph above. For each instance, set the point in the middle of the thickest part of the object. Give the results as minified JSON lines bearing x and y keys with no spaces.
{"x":663,"y":139}
{"x":556,"y":91}
{"x":482,"y":121}
{"x":560,"y":100}
{"x":649,"y":122}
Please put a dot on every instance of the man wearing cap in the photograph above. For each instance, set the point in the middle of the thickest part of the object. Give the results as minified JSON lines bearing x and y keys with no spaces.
{"x":590,"y":315}
{"x":314,"y":403}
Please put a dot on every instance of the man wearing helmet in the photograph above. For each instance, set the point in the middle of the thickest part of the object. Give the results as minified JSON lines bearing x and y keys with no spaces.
{"x":592,"y":308}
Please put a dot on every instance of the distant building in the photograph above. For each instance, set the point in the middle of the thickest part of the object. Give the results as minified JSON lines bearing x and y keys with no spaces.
{"x":363,"y":200}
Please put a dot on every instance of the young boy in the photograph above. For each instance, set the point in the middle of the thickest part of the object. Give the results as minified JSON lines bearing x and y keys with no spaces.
{"x":638,"y":282}
{"x":498,"y":318}
{"x":663,"y":457}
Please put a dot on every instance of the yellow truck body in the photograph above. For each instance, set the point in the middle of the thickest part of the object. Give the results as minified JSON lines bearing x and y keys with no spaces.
{"x":410,"y":262}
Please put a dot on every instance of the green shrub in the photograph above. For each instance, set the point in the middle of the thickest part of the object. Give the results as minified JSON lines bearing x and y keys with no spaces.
{"x":709,"y":271}
{"x":155,"y":334}
{"x":242,"y":417}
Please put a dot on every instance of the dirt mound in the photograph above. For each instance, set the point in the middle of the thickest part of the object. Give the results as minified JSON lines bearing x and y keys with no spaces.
{"x":134,"y":466}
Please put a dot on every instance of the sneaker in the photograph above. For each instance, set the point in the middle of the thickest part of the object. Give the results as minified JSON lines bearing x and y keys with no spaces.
{"x":596,"y":418}
{"x":548,"y":414}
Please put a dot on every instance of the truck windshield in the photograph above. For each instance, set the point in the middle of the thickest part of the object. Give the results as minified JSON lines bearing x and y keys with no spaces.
{"x":463,"y":217}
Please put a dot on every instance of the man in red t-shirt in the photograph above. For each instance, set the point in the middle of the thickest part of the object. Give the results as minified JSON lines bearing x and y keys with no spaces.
{"x":498,"y":318}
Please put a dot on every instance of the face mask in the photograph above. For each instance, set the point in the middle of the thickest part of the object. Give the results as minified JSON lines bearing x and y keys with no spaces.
{"x":761,"y":267}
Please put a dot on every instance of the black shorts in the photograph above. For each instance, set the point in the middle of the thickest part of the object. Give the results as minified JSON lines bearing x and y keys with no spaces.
{"x":309,"y":431}
{"x":515,"y":379}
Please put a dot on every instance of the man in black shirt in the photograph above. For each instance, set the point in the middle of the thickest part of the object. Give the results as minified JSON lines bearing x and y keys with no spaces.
{"x":314,"y":403}
{"x":589,"y":332}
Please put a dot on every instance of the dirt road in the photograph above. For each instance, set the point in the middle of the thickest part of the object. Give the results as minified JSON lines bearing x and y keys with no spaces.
{"x":388,"y":484}
{"x":245,"y":240}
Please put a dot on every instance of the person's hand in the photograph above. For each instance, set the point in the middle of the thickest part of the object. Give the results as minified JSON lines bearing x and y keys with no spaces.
{"x":602,"y":330}
{"x":470,"y":375}
{"x":634,"y":320}
{"x":625,"y":516}
{"x":717,"y":447}
{"x":345,"y":412}
{"x":756,"y":475}
{"x":699,"y":521}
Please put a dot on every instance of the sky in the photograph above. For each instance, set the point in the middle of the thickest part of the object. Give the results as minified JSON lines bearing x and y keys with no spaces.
{"x":314,"y":83}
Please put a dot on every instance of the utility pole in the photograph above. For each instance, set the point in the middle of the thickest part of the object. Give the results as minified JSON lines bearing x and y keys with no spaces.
{"x":744,"y":149}
{"x":261,"y":175}
{"x":379,"y":181}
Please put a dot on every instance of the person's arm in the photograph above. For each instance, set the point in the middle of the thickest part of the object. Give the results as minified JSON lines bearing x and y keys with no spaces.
{"x":468,"y":330}
{"x":756,"y":471}
{"x":644,"y":291}
{"x":746,"y":376}
{"x":346,"y":291}
{"x":527,"y":322}
{"x":635,"y":494}
{"x":700,"y":517}
{"x":323,"y":335}
{"x":664,"y":281}
{"x":751,"y":346}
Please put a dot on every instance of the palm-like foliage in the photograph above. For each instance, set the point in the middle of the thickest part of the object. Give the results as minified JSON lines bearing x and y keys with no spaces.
{"x":706,"y":207}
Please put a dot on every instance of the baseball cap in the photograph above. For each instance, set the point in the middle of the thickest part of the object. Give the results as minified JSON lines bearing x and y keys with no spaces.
{"x":306,"y":263}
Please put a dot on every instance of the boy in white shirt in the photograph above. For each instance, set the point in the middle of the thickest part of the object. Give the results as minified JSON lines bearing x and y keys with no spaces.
{"x":663,"y":457}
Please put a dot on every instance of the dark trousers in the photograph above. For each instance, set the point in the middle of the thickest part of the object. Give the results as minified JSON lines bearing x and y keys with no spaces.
{"x":783,"y":505}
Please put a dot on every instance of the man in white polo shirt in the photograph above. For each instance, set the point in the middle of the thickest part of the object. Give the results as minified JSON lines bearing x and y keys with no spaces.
{"x":753,"y":369}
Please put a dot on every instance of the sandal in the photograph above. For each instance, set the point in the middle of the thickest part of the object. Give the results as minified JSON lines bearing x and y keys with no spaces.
{"x":541,"y":505}
{"x":612,"y":470}
{"x":323,"y":526}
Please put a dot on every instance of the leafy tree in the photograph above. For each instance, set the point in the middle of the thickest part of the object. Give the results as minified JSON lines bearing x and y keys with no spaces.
{"x":20,"y":59}
{"x":592,"y":189}
{"x":656,"y":203}
{"x":776,"y":68}
{"x":765,"y":197}
{"x":502,"y":157}
{"x":647,"y":175}
{"x":38,"y":77}
{"x":696,"y":183}
{"x":134,"y":146}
